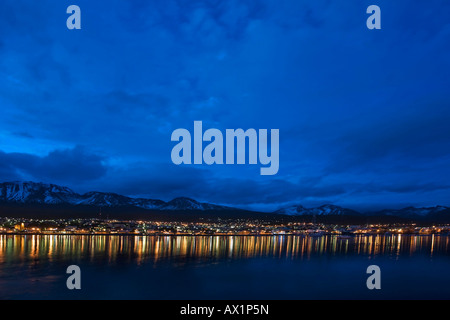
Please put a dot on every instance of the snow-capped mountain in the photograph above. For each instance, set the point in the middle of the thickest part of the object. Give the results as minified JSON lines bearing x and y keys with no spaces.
{"x":148,"y":204}
{"x":29,"y":192}
{"x":189,"y":204}
{"x":41,"y":193}
{"x":100,"y":199}
{"x":412,"y":212}
{"x":325,"y":210}
{"x":437,"y":212}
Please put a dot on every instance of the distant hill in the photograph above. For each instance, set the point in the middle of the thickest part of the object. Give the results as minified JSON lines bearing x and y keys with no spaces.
{"x":331,"y":212}
{"x":437,"y":213}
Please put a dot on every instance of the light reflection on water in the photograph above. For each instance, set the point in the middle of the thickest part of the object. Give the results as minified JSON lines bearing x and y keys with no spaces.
{"x":224,"y":267}
{"x":138,"y":248}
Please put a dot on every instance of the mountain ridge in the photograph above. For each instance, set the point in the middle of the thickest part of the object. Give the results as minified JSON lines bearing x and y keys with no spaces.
{"x":28,"y":192}
{"x":37,"y":193}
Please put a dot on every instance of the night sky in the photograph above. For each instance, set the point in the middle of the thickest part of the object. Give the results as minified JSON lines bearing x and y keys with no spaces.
{"x":363,"y":114}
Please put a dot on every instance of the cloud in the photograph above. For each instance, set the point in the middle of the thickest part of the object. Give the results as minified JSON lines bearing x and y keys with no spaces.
{"x":407,"y":139}
{"x":362,"y":115}
{"x":69,"y":166}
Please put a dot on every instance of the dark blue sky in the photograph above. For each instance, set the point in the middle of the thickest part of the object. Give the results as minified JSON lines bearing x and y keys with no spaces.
{"x":363,"y":115}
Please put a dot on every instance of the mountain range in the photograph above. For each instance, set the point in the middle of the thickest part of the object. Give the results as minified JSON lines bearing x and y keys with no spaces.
{"x":50,"y":194}
{"x":325,"y":210}
{"x":34,"y":194}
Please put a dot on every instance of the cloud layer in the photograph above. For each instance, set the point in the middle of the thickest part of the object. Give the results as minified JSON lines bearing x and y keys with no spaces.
{"x":362,"y":114}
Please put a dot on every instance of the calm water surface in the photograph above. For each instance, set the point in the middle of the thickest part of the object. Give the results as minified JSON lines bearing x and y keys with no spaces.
{"x":224,"y":267}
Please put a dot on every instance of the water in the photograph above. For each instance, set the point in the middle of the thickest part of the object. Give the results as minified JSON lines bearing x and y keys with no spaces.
{"x":224,"y":267}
